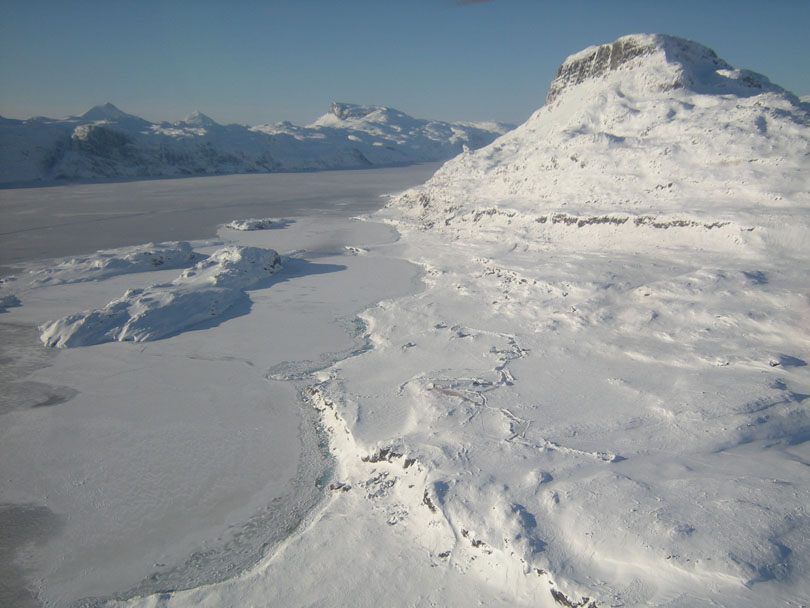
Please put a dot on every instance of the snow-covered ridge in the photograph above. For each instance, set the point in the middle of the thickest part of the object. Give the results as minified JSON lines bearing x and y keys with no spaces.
{"x":108,"y":143}
{"x":199,"y":294}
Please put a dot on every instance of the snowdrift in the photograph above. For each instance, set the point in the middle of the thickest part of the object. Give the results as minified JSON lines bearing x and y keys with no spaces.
{"x":250,"y":224}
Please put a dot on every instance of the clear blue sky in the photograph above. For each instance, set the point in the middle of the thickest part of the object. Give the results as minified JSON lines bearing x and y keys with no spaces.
{"x":263,"y":61}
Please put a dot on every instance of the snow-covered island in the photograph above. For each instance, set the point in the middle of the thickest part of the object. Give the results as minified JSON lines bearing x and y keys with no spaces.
{"x":252,"y":223}
{"x":204,"y":291}
{"x":597,"y":395}
{"x":106,"y":143}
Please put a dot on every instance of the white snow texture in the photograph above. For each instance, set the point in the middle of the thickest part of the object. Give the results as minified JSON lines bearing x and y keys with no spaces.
{"x":252,"y":224}
{"x":602,"y":392}
{"x":600,"y":397}
{"x":199,"y":294}
{"x":107,"y":263}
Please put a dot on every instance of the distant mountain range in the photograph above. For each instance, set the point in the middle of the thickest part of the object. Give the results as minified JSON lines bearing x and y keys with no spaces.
{"x":107,"y":143}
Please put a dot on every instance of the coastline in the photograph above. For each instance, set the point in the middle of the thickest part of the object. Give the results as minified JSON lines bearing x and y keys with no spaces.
{"x":233,"y":345}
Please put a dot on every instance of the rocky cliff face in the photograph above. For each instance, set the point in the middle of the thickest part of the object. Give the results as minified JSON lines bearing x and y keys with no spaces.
{"x":671,"y":63}
{"x":596,"y":61}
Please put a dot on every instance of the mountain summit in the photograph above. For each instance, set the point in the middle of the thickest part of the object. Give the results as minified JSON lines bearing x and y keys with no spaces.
{"x":107,"y":112}
{"x":666,"y":62}
{"x":198,"y":119}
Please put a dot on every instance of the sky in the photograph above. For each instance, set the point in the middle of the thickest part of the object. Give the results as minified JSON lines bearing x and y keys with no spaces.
{"x":255,"y":62}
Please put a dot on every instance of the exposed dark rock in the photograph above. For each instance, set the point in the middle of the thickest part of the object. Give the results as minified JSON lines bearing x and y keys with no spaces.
{"x":428,"y":503}
{"x":563,"y":600}
{"x":383,"y":454}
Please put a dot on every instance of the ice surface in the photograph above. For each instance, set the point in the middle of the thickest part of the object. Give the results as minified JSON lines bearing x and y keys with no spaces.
{"x":174,"y":463}
{"x":80,"y":219}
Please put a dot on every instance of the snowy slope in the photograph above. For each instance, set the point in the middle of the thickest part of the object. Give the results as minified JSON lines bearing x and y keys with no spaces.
{"x":602,"y":392}
{"x":107,"y":143}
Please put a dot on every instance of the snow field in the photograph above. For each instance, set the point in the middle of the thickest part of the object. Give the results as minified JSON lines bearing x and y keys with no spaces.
{"x":600,"y":396}
{"x":617,"y":432}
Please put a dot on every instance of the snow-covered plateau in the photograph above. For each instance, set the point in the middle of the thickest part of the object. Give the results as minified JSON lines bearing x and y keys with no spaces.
{"x":598,"y":395}
{"x":106,"y":143}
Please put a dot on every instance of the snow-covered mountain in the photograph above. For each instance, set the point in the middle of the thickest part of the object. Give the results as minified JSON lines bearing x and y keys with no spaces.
{"x":649,"y":132}
{"x":597,"y":395}
{"x":108,"y":143}
{"x":603,"y":387}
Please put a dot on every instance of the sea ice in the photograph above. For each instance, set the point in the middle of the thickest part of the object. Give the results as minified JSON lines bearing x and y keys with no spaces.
{"x":175,"y":463}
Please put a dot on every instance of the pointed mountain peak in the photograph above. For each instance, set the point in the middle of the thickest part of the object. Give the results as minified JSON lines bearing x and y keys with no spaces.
{"x":105,"y":112}
{"x":656,"y":63}
{"x":198,"y":119}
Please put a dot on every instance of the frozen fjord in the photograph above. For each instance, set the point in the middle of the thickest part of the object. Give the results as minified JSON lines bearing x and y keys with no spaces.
{"x":179,"y":458}
{"x":602,"y":391}
{"x":75,"y":219}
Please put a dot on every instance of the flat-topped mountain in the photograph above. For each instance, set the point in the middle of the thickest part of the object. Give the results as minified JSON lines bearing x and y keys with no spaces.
{"x":640,"y":247}
{"x":649,"y":130}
